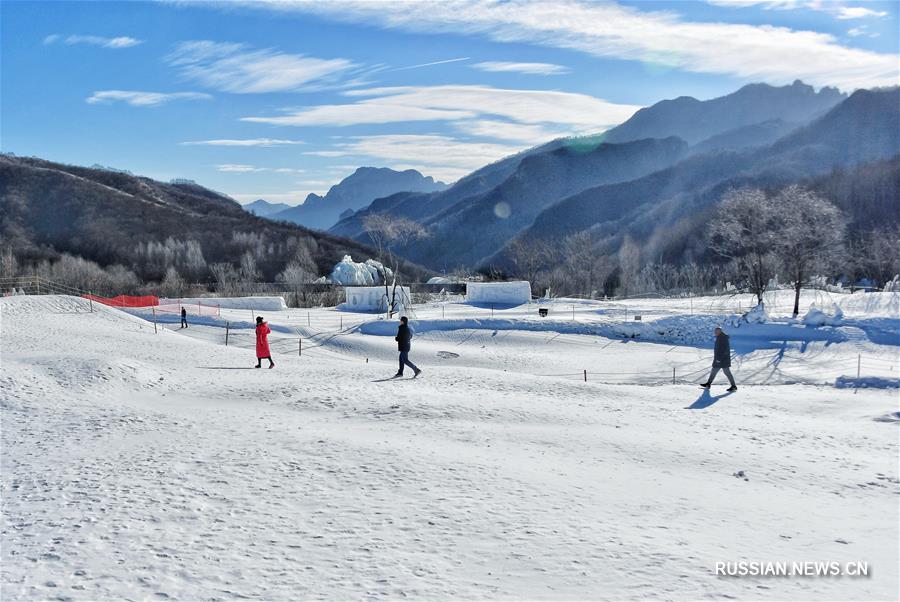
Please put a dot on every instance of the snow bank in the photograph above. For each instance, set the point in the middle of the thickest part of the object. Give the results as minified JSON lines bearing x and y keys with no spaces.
{"x":351,"y":273}
{"x":257,"y":303}
{"x":500,"y":293}
{"x":817,"y":317}
{"x":372,"y":298}
{"x":866,"y":382}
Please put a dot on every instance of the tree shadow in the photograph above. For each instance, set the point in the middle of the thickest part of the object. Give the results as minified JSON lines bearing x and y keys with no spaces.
{"x":705,"y":400}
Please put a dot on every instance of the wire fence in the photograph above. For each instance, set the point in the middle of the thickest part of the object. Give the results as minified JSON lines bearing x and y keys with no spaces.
{"x":317,"y":334}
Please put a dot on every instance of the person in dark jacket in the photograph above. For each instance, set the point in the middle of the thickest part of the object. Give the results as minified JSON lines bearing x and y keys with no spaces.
{"x":721,"y":361}
{"x":183,"y":318}
{"x":403,"y":338}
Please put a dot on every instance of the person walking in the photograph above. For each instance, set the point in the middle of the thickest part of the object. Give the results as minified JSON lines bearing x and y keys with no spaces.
{"x":721,"y":360}
{"x":262,"y":343}
{"x":403,"y":338}
{"x":183,"y":318}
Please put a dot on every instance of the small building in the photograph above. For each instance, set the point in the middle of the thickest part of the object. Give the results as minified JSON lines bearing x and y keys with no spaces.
{"x":499,"y":293}
{"x":372,"y":298}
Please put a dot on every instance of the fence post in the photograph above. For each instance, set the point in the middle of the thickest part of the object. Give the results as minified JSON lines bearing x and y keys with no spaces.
{"x":585,"y":376}
{"x":153,"y":310}
{"x":673,"y":375}
{"x":573,"y":313}
{"x":691,"y":297}
{"x":91,"y":301}
{"x":342,"y":322}
{"x":253,"y":313}
{"x":300,"y":346}
{"x":226,"y":333}
{"x":308,"y":322}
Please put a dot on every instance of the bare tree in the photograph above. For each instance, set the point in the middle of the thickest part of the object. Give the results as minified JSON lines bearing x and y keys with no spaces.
{"x":746,"y":230}
{"x":389,"y":233}
{"x":582,"y":269}
{"x":529,"y":258}
{"x":629,"y":257}
{"x":811,"y":237}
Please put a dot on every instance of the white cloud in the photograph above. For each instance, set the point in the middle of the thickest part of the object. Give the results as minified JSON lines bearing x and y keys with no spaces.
{"x":525,"y":133}
{"x":142,"y":99}
{"x":117,"y":42}
{"x":481,"y":110}
{"x":245,"y":142}
{"x":243,"y":168}
{"x":529,"y":68}
{"x":859,"y":12}
{"x":443,"y":157}
{"x":239,"y":69}
{"x":752,"y":52}
{"x":862,"y":30}
{"x":835,"y":7}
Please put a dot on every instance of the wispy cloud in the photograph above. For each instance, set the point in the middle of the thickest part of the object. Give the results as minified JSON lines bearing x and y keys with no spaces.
{"x":529,"y":68}
{"x":859,"y":12}
{"x":433,"y":63}
{"x":117,"y":42}
{"x":838,"y":8}
{"x":443,"y":157}
{"x":753,"y":52}
{"x":499,"y":110}
{"x":860,"y":31}
{"x":240,"y":69}
{"x":143,"y":99}
{"x":242,"y":142}
{"x":242,"y":168}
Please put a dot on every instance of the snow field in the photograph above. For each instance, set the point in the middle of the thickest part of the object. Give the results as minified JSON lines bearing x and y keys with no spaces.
{"x":147,"y":465}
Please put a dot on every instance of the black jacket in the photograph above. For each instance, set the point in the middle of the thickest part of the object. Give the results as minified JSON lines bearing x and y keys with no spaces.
{"x":722,"y":355}
{"x":404,"y":336}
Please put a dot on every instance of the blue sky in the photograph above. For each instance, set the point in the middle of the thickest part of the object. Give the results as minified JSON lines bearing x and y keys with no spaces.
{"x":278,"y":99}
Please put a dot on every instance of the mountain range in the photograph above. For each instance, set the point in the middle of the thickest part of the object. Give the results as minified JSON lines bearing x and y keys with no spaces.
{"x":264,"y":208}
{"x":355,"y":192}
{"x":651,"y":177}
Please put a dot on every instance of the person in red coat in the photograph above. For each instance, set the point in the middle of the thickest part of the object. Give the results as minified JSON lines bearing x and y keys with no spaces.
{"x":262,"y":343}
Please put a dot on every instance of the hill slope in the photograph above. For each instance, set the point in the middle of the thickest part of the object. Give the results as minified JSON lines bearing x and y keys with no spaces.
{"x":114,"y":217}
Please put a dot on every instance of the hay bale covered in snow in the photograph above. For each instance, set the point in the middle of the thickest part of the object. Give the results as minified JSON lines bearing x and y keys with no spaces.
{"x":499,"y":293}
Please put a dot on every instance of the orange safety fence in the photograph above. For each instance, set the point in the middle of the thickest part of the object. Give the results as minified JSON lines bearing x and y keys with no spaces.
{"x":125,"y":300}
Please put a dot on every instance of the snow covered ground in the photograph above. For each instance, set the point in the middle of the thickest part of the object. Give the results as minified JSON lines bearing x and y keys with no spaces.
{"x":140,"y":465}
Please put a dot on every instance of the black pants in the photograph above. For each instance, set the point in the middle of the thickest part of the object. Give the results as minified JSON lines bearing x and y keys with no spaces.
{"x":184,"y":322}
{"x":404,"y":361}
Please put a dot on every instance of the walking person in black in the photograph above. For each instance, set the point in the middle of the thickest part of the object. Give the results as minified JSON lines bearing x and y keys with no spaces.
{"x":183,"y":318}
{"x":721,"y":360}
{"x":403,"y":338}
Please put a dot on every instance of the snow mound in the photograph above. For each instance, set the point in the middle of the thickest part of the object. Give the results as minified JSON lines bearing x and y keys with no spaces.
{"x":817,"y":317}
{"x":350,"y":273}
{"x":757,"y":315}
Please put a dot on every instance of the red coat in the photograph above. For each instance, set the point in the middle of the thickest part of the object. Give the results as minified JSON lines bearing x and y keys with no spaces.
{"x":262,"y":340}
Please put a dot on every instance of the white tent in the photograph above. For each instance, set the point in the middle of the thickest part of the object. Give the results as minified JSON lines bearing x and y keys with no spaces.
{"x":372,"y":298}
{"x":499,"y":293}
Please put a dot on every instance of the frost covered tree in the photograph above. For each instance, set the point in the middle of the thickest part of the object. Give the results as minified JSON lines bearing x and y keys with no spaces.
{"x":629,"y":257}
{"x":811,"y":236}
{"x":173,"y":285}
{"x":387,"y":233}
{"x":9,"y":266}
{"x":746,"y":230}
